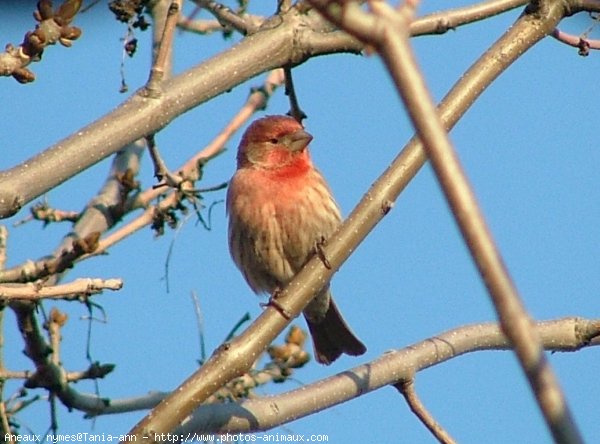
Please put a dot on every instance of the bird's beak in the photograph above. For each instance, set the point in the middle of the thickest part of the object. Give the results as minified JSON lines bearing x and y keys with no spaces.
{"x":299,"y":140}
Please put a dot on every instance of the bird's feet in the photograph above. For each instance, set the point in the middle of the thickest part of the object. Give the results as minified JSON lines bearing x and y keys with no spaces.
{"x":276,"y":305}
{"x":321,"y":253}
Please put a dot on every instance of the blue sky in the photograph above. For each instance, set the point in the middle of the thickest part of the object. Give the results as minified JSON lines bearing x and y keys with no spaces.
{"x":529,"y":147}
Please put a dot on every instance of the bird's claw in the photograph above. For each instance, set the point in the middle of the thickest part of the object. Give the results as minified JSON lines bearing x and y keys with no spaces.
{"x":321,"y":253}
{"x":276,"y":305}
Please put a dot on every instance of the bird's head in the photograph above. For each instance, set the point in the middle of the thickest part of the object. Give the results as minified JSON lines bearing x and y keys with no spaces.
{"x":275,"y":143}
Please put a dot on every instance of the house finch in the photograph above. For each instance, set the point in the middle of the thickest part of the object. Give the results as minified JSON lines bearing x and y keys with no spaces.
{"x":279,"y":208}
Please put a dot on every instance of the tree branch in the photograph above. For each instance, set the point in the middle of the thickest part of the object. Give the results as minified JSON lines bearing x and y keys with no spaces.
{"x":582,"y":43}
{"x":443,"y":21}
{"x":49,"y":373}
{"x":253,"y":415}
{"x":70,"y":291}
{"x":244,"y":24}
{"x":201,"y":27}
{"x":407,"y":389}
{"x":168,"y":13}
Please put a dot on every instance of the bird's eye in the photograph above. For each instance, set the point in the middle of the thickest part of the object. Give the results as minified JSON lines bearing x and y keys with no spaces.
{"x":273,"y":140}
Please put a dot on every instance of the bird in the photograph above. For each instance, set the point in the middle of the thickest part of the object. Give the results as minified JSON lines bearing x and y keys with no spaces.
{"x":280,"y":208}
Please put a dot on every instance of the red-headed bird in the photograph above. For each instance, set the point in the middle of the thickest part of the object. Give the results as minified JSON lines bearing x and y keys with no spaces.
{"x":279,"y":208}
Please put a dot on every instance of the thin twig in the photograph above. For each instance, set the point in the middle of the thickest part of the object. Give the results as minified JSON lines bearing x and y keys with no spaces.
{"x":170,"y":252}
{"x":43,"y":212}
{"x":70,"y":291}
{"x":4,"y":423}
{"x":201,"y":27}
{"x":3,"y":246}
{"x":443,"y":21}
{"x":237,"y":326}
{"x":94,"y":372}
{"x":295,"y":110}
{"x":583,"y":44}
{"x":161,"y":171}
{"x":200,"y":324}
{"x":161,"y":65}
{"x":8,"y":374}
{"x":228,"y":18}
{"x":407,"y":389}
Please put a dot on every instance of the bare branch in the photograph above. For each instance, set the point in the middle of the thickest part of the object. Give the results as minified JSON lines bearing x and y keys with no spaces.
{"x":102,"y":212}
{"x":3,"y":246}
{"x":407,"y":389}
{"x":54,"y":265}
{"x":443,"y":21}
{"x":161,"y":67}
{"x":43,"y":212}
{"x":244,"y":24}
{"x":7,"y":374}
{"x":71,"y":291}
{"x":161,"y":171}
{"x":201,"y":27}
{"x":295,"y":110}
{"x":583,"y":44}
{"x":49,"y":373}
{"x":94,"y":371}
{"x":140,"y":116}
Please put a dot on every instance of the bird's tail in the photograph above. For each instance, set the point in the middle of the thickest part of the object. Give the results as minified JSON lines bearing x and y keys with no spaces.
{"x":331,"y":335}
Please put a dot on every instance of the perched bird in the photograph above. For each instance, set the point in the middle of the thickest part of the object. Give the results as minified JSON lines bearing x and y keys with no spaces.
{"x":279,"y":208}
